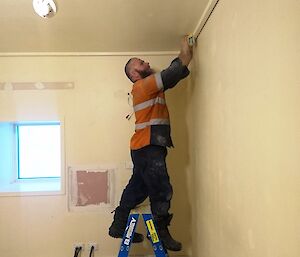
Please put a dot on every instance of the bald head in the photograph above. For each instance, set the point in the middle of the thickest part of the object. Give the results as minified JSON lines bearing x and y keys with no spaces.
{"x":128,"y":68}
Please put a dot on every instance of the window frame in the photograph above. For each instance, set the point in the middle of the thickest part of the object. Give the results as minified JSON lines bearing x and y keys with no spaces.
{"x":34,"y":186}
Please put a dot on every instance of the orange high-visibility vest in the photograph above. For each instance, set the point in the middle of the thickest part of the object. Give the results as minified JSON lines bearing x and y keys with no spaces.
{"x":152,"y":124}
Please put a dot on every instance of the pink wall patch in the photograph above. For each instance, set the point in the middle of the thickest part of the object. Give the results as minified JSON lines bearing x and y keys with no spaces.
{"x":92,"y":188}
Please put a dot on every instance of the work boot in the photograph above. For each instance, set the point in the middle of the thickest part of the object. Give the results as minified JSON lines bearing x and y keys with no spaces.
{"x":118,"y":226}
{"x":168,"y":242}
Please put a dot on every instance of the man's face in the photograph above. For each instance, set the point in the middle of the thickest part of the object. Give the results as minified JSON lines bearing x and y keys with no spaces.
{"x":141,"y":67}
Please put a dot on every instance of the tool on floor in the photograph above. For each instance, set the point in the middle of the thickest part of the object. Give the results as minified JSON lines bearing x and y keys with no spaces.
{"x":152,"y":235}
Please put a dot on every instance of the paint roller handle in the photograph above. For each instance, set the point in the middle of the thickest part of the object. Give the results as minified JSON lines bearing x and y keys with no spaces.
{"x":186,"y":51}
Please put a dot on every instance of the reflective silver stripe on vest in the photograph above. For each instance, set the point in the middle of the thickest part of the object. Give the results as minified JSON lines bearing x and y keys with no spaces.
{"x":144,"y":105}
{"x":152,"y":122}
{"x":159,"y":81}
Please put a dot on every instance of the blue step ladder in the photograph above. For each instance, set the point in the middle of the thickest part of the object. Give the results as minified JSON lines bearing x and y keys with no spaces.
{"x":157,"y":246}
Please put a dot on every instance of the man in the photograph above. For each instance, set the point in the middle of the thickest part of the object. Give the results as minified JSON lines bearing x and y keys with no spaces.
{"x":149,"y":145}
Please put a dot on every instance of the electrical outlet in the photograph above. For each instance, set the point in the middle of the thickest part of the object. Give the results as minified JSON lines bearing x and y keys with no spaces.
{"x":96,"y":246}
{"x":78,"y":245}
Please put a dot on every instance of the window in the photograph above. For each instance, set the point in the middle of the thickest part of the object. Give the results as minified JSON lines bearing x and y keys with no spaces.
{"x":31,"y":159}
{"x":38,"y":150}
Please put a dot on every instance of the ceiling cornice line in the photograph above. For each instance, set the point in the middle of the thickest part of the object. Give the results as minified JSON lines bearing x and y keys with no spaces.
{"x":88,"y":54}
{"x":210,"y":7}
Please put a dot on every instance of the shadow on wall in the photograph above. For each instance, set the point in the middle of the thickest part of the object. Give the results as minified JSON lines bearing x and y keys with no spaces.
{"x":178,"y":163}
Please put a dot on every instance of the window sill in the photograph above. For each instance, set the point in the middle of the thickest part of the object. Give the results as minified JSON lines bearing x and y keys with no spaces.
{"x":27,"y":187}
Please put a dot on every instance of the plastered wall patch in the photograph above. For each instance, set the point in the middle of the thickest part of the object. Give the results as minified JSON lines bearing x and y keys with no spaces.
{"x":89,"y":188}
{"x":36,"y":85}
{"x":92,"y":188}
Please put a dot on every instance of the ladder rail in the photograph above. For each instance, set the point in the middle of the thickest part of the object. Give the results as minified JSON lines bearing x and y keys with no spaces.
{"x":128,"y":235}
{"x":157,"y":245}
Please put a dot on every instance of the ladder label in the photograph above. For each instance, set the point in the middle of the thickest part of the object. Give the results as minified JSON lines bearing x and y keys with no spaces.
{"x":152,"y":231}
{"x":130,"y":231}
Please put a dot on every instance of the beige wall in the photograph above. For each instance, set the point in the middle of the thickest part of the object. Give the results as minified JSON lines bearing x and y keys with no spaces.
{"x":243,"y":125}
{"x":235,"y":123}
{"x":96,"y":133}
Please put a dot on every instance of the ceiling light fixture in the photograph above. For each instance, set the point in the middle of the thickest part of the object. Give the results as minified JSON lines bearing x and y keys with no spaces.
{"x":44,"y":8}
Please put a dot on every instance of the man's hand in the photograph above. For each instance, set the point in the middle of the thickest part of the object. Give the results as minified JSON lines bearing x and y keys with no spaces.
{"x":186,"y":51}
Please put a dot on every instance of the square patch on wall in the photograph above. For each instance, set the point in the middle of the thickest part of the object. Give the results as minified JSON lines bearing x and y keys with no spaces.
{"x":92,"y":187}
{"x":89,"y":189}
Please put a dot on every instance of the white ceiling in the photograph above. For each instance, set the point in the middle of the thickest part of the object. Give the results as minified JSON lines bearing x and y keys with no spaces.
{"x":98,"y":25}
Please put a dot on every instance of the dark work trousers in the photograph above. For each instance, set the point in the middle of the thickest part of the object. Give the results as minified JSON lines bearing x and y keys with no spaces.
{"x":150,"y":178}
